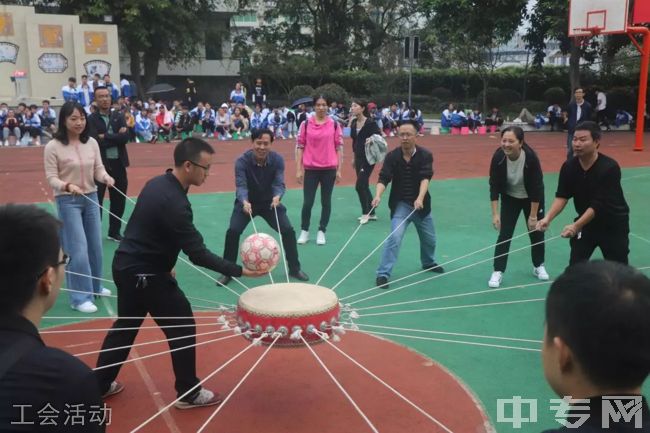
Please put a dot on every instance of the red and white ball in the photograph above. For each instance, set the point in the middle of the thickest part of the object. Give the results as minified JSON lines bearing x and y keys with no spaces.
{"x":260,"y":252}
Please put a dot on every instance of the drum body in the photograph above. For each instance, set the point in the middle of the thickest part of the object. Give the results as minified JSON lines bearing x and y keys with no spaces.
{"x":285,"y":308}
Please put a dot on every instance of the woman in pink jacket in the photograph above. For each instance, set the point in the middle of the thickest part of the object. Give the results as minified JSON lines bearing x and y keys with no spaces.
{"x":319,"y":158}
{"x":72,"y":165}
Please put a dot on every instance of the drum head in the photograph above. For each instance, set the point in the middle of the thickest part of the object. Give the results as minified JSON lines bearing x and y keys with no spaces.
{"x":288,"y":300}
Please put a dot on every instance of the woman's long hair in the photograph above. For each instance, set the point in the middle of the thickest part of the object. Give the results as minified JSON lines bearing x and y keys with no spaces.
{"x":67,"y":109}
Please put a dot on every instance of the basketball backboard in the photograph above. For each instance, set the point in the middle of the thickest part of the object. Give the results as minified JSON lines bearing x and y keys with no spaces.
{"x":588,"y":17}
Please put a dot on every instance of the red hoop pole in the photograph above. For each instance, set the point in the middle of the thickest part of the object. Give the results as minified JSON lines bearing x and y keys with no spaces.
{"x":643,"y":83}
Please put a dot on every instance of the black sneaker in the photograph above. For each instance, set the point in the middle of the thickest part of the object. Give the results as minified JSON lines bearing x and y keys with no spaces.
{"x":115,"y":237}
{"x":299,"y":275}
{"x":435,"y":268}
{"x":224,"y":280}
{"x":382,"y":282}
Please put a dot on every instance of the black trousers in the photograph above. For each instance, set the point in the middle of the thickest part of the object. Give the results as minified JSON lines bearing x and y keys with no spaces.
{"x":326,"y":179}
{"x":615,"y":245}
{"x":364,"y":171}
{"x":117,"y":171}
{"x":239,"y":220}
{"x":601,"y":118}
{"x":511,"y":208}
{"x":160,"y":296}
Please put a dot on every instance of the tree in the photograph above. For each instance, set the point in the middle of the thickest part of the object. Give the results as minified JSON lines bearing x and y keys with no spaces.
{"x":151,"y":31}
{"x":473,"y":30}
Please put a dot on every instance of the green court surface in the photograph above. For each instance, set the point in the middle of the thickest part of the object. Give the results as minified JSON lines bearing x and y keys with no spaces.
{"x":461,"y":211}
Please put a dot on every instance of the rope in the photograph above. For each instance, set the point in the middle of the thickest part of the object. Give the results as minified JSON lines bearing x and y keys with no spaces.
{"x":374,"y":250}
{"x":223,"y":403}
{"x":284,"y":259}
{"x":72,"y":331}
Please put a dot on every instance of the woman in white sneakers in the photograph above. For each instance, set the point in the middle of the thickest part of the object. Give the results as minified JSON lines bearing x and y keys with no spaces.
{"x":72,"y":165}
{"x":516,"y":176}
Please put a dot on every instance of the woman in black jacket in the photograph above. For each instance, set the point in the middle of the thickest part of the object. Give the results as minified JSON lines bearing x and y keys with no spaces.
{"x":361,"y":129}
{"x":516,"y":176}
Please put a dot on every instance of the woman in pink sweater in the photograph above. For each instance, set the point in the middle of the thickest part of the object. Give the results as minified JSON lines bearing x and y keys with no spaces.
{"x":319,"y":158}
{"x":72,"y":165}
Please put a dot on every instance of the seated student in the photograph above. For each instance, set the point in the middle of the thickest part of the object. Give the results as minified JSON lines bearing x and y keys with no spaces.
{"x":474,"y":120}
{"x":494,"y":118}
{"x":597,"y":346}
{"x":143,"y":127}
{"x":554,"y":116}
{"x":165,"y":122}
{"x":238,"y":123}
{"x":184,"y":124}
{"x":207,"y":123}
{"x":48,"y":118}
{"x":33,"y":377}
{"x":222,"y":122}
{"x":276,"y":122}
{"x":445,"y":118}
{"x":33,"y":126}
{"x":376,"y":116}
{"x":291,"y":123}
{"x":458,"y":118}
{"x":257,"y":121}
{"x":11,"y":129}
{"x":623,"y":118}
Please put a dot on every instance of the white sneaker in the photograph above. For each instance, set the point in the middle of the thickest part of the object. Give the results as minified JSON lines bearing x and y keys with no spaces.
{"x":363,"y":219}
{"x":320,"y":238}
{"x":86,"y":307}
{"x":304,"y":237}
{"x":204,"y":398}
{"x":104,"y":292}
{"x":495,"y":279}
{"x":540,"y":272}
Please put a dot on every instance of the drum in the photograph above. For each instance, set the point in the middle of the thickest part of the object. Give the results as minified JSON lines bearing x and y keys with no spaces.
{"x":286,"y":308}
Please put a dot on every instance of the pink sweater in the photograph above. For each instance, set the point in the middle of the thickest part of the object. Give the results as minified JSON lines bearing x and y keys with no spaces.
{"x":78,"y":164}
{"x":320,"y":143}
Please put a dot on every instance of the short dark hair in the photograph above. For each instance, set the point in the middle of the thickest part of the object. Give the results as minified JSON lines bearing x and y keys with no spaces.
{"x":45,"y":100}
{"x":601,"y":309}
{"x":190,"y":149}
{"x":30,"y":243}
{"x":323,"y":97}
{"x":592,"y":127}
{"x":73,"y":79}
{"x":67,"y":109}
{"x":411,"y":122}
{"x":84,"y":76}
{"x":258,"y":132}
{"x":102,"y":88}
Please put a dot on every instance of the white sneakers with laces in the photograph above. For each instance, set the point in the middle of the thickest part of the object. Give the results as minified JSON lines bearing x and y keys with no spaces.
{"x":540,"y":272}
{"x":495,"y":279}
{"x":304,"y":237}
{"x":85,"y":307}
{"x":320,"y":238}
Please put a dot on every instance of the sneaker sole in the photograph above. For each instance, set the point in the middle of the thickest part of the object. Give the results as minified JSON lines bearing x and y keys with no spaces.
{"x":184,"y":406}
{"x":493,"y":285}
{"x":111,"y":394}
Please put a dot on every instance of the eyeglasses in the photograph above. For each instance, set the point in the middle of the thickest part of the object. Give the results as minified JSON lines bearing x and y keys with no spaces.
{"x":204,"y":167}
{"x":65,"y":260}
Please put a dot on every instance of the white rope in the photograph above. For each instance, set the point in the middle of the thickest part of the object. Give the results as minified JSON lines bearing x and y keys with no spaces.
{"x":124,"y":195}
{"x":223,"y":403}
{"x":338,"y":384}
{"x":146,"y":343}
{"x":471,"y":343}
{"x":284,"y":259}
{"x":374,"y":250}
{"x":393,"y":390}
{"x":131,"y":317}
{"x":165,"y":352}
{"x":457,"y":334}
{"x":490,"y":247}
{"x":457,"y":307}
{"x":458,"y":295}
{"x":639,"y":237}
{"x":344,"y":247}
{"x":385,"y":292}
{"x":72,"y":331}
{"x":208,"y":377}
{"x":99,"y":295}
{"x":89,"y":276}
{"x":187,"y":262}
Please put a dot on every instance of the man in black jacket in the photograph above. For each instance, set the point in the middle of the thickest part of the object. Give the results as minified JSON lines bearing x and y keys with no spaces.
{"x":39,"y":385}
{"x":143,"y":270}
{"x":596,"y":347}
{"x":409,"y":168}
{"x":110,"y":130}
{"x":579,"y":111}
{"x":593,"y":180}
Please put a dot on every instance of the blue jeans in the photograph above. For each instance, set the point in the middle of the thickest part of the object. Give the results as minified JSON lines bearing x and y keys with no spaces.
{"x":81,"y":240}
{"x":426,"y":233}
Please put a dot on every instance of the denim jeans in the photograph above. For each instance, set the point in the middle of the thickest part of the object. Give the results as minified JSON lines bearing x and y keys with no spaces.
{"x":81,"y":240}
{"x":426,"y":233}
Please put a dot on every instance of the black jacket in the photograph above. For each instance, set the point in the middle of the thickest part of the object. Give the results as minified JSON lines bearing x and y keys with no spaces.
{"x":585,"y":114}
{"x":159,"y":228}
{"x":533,"y":175}
{"x":359,"y":138}
{"x":115,"y":139}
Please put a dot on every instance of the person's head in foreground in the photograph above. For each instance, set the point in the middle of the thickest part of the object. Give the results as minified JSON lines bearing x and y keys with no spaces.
{"x":32,"y":264}
{"x":597,"y":333}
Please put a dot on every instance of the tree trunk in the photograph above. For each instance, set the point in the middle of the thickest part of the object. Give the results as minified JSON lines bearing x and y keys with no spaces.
{"x":136,"y":71}
{"x":485,"y":89}
{"x":151,"y":61}
{"x":574,"y":66}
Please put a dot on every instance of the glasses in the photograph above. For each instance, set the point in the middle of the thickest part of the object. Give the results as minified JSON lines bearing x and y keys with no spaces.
{"x":204,"y":167}
{"x":405,"y":135}
{"x":65,"y":260}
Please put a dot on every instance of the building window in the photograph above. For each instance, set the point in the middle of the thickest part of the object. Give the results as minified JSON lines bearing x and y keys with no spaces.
{"x":213,"y":47}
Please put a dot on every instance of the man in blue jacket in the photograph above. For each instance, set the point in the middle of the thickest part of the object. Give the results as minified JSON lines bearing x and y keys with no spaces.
{"x":579,"y":111}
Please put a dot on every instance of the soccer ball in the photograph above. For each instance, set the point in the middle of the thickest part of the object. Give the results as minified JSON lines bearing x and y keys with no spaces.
{"x":260,"y":252}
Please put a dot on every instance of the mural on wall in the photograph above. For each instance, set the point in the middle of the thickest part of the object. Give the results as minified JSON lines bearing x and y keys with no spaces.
{"x":96,"y":42}
{"x":8,"y":52}
{"x":6,"y":24}
{"x":52,"y":63}
{"x":50,"y":36}
{"x":100,"y":67}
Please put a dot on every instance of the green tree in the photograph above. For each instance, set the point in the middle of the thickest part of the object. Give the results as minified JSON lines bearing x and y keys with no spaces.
{"x":473,"y":30}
